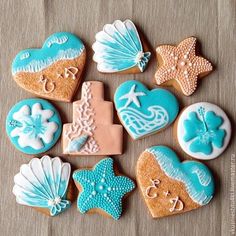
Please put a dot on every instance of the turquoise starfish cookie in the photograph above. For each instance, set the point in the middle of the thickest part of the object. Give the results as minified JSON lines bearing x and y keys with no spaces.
{"x":102,"y":189}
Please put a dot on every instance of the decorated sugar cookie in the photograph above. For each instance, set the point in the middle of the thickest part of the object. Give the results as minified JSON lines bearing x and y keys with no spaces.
{"x":203,"y":130}
{"x":92,"y":131}
{"x":100,"y":190}
{"x":43,"y":185}
{"x":169,"y":186}
{"x":33,"y":126}
{"x":142,"y":111}
{"x":180,"y":66}
{"x":54,"y":70}
{"x":118,"y":48}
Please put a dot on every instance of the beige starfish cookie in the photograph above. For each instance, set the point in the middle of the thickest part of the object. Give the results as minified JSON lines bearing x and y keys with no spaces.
{"x":179,"y":66}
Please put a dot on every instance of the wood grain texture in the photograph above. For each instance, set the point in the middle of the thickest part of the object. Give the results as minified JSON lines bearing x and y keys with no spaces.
{"x":27,"y":23}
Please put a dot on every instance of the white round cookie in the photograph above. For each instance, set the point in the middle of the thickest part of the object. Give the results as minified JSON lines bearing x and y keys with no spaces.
{"x":181,"y":132}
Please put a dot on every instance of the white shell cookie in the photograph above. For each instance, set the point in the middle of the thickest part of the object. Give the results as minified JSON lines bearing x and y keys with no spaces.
{"x":203,"y":130}
{"x":43,"y":183}
{"x":118,"y":48}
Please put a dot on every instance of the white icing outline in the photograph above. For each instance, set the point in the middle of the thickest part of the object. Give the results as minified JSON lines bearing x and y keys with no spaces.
{"x":180,"y":130}
{"x":155,"y":183}
{"x":176,"y":201}
{"x":46,"y":82}
{"x":84,"y":122}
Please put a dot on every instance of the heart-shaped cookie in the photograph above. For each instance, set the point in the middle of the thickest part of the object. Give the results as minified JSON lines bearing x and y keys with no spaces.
{"x":54,"y":70}
{"x":142,"y":111}
{"x":169,"y":186}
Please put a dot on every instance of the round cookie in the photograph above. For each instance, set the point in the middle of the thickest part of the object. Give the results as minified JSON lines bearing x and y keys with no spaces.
{"x":44,"y":184}
{"x":119,"y":49}
{"x":33,"y":126}
{"x":171,"y":187}
{"x":203,"y":130}
{"x":101,"y":190}
{"x":142,"y":111}
{"x":53,"y":71}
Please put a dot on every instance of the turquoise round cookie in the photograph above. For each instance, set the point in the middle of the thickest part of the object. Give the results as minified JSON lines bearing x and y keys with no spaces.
{"x":33,"y":126}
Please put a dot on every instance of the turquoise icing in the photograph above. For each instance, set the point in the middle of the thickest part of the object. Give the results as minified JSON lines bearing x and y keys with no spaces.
{"x":203,"y":129}
{"x":76,"y":144}
{"x":149,"y":111}
{"x":118,"y":47}
{"x":58,"y":46}
{"x":102,"y":189}
{"x":32,"y":126}
{"x":43,"y":185}
{"x":196,"y":177}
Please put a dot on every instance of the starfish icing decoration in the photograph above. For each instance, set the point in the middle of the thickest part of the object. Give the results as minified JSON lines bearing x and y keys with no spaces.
{"x":102,"y":189}
{"x":132,"y":96}
{"x":181,"y":64}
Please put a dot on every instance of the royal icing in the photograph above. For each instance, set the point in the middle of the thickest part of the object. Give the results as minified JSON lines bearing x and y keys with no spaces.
{"x":203,"y":130}
{"x":102,"y":189}
{"x":58,"y":46}
{"x":181,"y":64}
{"x":33,"y":126}
{"x":196,"y":177}
{"x":92,"y":131}
{"x":43,"y":183}
{"x":142,"y":111}
{"x":118,"y":48}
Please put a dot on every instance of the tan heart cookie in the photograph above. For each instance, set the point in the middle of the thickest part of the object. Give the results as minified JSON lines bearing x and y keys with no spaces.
{"x":53,"y":71}
{"x":169,"y":186}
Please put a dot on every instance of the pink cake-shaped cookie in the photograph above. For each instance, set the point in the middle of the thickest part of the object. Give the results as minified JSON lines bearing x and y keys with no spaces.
{"x":92,"y":131}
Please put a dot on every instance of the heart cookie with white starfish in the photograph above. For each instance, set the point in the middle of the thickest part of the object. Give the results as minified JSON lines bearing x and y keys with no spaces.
{"x":54,"y":70}
{"x":142,"y":111}
{"x":169,"y":186}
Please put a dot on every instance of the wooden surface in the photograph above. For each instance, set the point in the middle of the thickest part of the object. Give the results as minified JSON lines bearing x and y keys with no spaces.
{"x":27,"y":23}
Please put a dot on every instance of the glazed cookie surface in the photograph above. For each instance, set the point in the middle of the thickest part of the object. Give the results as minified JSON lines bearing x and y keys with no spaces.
{"x":54,"y":70}
{"x":33,"y":126}
{"x":143,"y":111}
{"x":169,"y":186}
{"x":92,"y":131}
{"x":203,"y":130}
{"x":180,"y":66}
{"x":118,"y":48}
{"x":43,"y":185}
{"x":100,"y":190}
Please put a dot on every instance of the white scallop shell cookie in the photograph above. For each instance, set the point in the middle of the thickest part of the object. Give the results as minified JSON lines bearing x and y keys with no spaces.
{"x":43,"y":183}
{"x":118,"y":48}
{"x":203,"y":130}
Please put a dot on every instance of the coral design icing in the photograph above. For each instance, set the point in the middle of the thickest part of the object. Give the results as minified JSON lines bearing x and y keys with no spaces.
{"x":118,"y":48}
{"x":196,"y":177}
{"x":33,"y":125}
{"x":102,"y":189}
{"x":203,"y":128}
{"x":59,"y":46}
{"x":83,"y":125}
{"x":92,"y":130}
{"x":181,"y":64}
{"x":43,"y":183}
{"x":143,"y":112}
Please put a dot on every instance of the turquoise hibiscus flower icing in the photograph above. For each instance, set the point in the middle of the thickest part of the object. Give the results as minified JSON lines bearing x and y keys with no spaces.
{"x":203,"y":129}
{"x":102,"y":189}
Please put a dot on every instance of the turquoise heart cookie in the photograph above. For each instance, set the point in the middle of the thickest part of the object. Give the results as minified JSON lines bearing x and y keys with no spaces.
{"x":143,"y":111}
{"x":170,"y":186}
